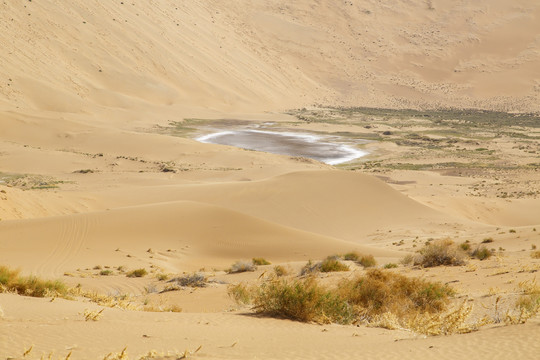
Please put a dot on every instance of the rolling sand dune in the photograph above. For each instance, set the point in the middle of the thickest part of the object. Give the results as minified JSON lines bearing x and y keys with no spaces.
{"x":149,"y":60}
{"x":334,"y":203}
{"x":185,"y":234}
{"x":97,"y":167}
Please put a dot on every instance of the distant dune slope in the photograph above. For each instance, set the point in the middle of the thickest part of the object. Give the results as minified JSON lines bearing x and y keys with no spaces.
{"x":92,"y":56}
{"x":180,"y":234}
{"x":339,"y":204}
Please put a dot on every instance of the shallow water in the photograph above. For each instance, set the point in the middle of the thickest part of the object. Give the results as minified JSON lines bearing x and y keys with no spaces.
{"x":286,"y":143}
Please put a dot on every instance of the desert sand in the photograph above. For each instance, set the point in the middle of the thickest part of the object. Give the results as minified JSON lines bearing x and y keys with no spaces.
{"x":101,"y":172}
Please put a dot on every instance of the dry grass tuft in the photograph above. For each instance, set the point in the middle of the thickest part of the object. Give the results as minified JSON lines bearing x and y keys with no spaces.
{"x":535,"y":254}
{"x":92,"y":315}
{"x":440,"y":252}
{"x":482,"y":253}
{"x":367,"y":261}
{"x":330,"y":264}
{"x":11,"y":281}
{"x":137,"y":273}
{"x":191,"y":280}
{"x":364,"y":260}
{"x":242,"y":266}
{"x":241,"y":293}
{"x":260,"y":261}
{"x":351,"y":256}
{"x":121,"y":302}
{"x":280,"y":270}
{"x":529,"y":302}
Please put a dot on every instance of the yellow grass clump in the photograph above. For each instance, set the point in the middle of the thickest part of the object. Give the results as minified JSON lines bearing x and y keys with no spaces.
{"x":364,"y":260}
{"x":260,"y":261}
{"x":378,"y":298}
{"x":11,"y":281}
{"x":330,"y":264}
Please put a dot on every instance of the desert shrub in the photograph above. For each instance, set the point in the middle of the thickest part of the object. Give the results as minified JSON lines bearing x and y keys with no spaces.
{"x":242,"y":266}
{"x":440,"y":252}
{"x":302,"y":300}
{"x":351,"y":256}
{"x":482,"y":253}
{"x":390,"y":266}
{"x":364,"y":260}
{"x":466,"y":246}
{"x":105,"y":272}
{"x":260,"y":261}
{"x":162,"y":276}
{"x":330,"y":264}
{"x":407,"y":259}
{"x":137,"y":273}
{"x":535,"y":254}
{"x":191,"y":280}
{"x":241,"y":293}
{"x":280,"y":270}
{"x":512,"y":231}
{"x":487,"y":240}
{"x":11,"y":281}
{"x":379,"y":298}
{"x":367,"y":261}
{"x":381,"y":292}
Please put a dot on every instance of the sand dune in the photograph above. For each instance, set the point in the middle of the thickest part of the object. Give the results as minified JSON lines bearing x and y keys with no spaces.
{"x":183,"y":234}
{"x":90,"y":176}
{"x":339,"y":204}
{"x":147,"y":59}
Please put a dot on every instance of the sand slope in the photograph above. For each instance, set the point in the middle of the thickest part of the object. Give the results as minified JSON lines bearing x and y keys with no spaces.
{"x":184,"y":235}
{"x":147,"y":59}
{"x":340,"y":204}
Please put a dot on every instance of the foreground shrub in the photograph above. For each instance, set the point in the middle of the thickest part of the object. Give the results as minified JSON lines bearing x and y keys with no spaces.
{"x":381,"y":291}
{"x":11,"y":281}
{"x":379,"y":298}
{"x":137,"y":273}
{"x":535,"y":254}
{"x":242,"y":266}
{"x":302,"y":300}
{"x":441,"y":252}
{"x":260,"y":261}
